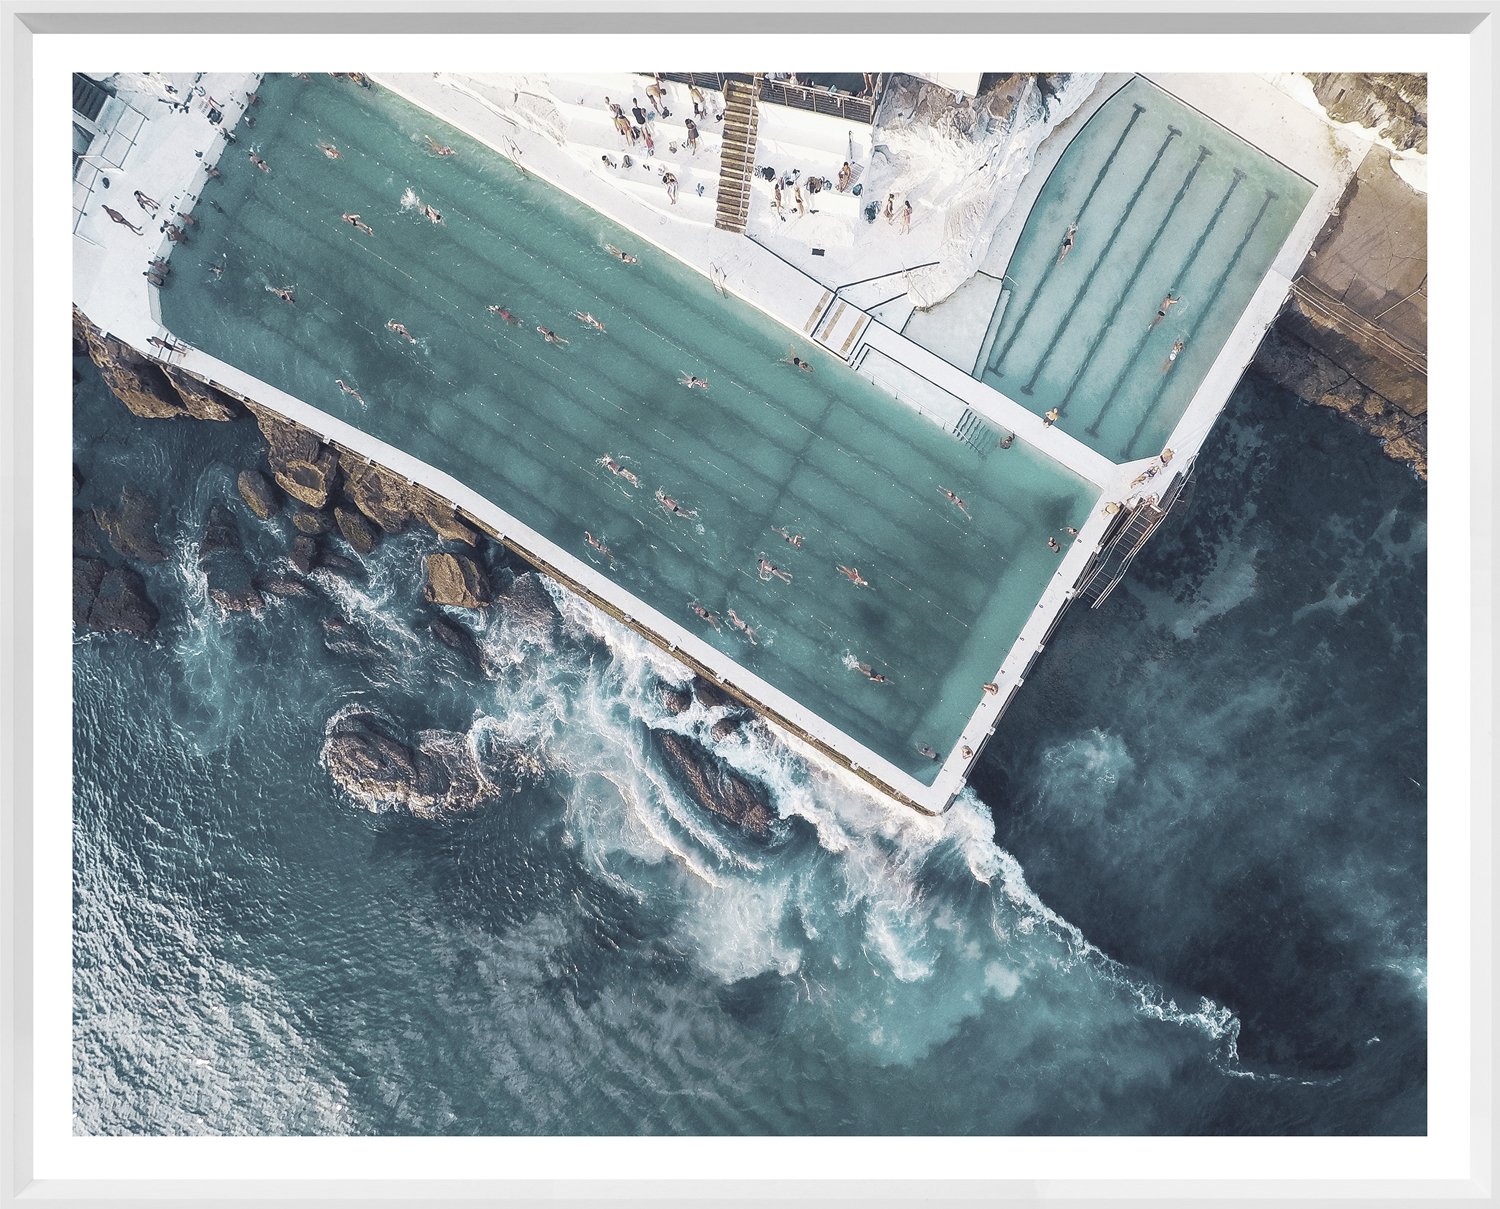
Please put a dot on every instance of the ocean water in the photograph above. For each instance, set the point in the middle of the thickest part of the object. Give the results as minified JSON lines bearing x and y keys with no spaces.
{"x":1185,"y":894}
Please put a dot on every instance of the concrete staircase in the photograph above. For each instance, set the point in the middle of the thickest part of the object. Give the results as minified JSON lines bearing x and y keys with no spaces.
{"x":737,"y":156}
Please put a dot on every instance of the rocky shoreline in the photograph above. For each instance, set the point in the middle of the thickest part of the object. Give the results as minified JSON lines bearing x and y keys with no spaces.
{"x":332,"y":500}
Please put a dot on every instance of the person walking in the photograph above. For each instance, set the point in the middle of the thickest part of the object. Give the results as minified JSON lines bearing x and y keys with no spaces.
{"x":670,"y":181}
{"x":148,"y":204}
{"x":692,"y":135}
{"x":906,"y":217}
{"x":639,"y":113}
{"x":116,"y":216}
{"x":890,"y":207}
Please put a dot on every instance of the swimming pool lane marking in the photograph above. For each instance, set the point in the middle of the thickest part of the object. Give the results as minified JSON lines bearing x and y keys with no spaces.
{"x":1072,"y":309}
{"x":1133,"y":276}
{"x":1213,"y":297}
{"x":1136,"y":111}
{"x":1182,"y":270}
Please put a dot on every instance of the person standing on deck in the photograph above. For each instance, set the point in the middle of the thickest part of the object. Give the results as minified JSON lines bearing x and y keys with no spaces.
{"x":692,"y":136}
{"x":116,"y":216}
{"x":1051,"y":417}
{"x":700,"y":109}
{"x":906,"y":217}
{"x":639,"y":113}
{"x":890,"y":207}
{"x":670,"y":181}
{"x":615,"y":110}
{"x":846,"y":176}
{"x":148,"y":204}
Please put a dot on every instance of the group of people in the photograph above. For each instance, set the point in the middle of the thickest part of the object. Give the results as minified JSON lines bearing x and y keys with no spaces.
{"x":1172,"y":299}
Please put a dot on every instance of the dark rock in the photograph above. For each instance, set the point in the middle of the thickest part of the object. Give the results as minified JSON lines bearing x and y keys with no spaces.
{"x":111,"y":599}
{"x":434,"y":775}
{"x":383,"y":496}
{"x":285,"y":587}
{"x":456,"y":638}
{"x":259,"y":494}
{"x":455,"y":580}
{"x":316,"y":523}
{"x":132,"y":526}
{"x":237,"y":600}
{"x":675,"y":700}
{"x":84,"y":541}
{"x":304,"y":553}
{"x":355,"y":529}
{"x":340,"y":565}
{"x":1393,"y":104}
{"x":713,"y":787}
{"x":708,"y":695}
{"x":726,"y":726}
{"x":219,"y":533}
{"x":528,"y":602}
{"x":202,"y":401}
{"x":88,"y":574}
{"x":77,"y":478}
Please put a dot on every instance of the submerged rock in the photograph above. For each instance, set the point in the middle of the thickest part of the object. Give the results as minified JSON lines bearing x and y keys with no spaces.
{"x":726,"y":726}
{"x":714,"y":787}
{"x":456,"y":638}
{"x":84,"y":541}
{"x":285,"y":587}
{"x":231,"y":585}
{"x":132,"y":526}
{"x":675,"y":700}
{"x":304,"y":554}
{"x":219,"y":533}
{"x":246,"y":599}
{"x":528,"y":602}
{"x":709,"y":695}
{"x":259,"y":494}
{"x":435,"y":774}
{"x":455,"y":580}
{"x":340,"y":565}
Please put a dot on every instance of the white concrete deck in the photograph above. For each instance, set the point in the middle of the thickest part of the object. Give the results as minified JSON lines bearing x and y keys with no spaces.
{"x":110,"y":287}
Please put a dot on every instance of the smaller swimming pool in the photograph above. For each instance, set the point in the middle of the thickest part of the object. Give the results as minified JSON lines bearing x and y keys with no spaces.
{"x":1169,"y":213}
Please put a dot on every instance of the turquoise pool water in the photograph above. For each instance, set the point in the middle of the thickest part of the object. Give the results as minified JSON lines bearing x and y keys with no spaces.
{"x":826,"y":455}
{"x":1166,"y":202}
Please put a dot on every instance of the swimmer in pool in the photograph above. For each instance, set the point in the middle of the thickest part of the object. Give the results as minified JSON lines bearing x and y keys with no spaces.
{"x":549,"y":335}
{"x":853,"y":576}
{"x":330,"y":151}
{"x":285,"y":292}
{"x":504,"y":314}
{"x":585,"y":317}
{"x":672,"y":506}
{"x":794,"y":540}
{"x":1067,"y":243}
{"x":1167,"y":304}
{"x":766,"y":568}
{"x":1172,"y":356}
{"x":619,"y":471}
{"x":956,"y":501}
{"x":259,"y":163}
{"x":436,"y":147}
{"x":400,"y":330}
{"x":740,"y":624}
{"x":704,"y":614}
{"x":349,"y":390}
{"x":599,"y":546}
{"x":690,"y":381}
{"x":432,"y":214}
{"x":357,"y":223}
{"x":619,"y":255}
{"x":869,"y":673}
{"x":792,"y":359}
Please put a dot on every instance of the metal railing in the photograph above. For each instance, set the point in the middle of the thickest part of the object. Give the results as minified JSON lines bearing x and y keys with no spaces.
{"x":793,"y":96}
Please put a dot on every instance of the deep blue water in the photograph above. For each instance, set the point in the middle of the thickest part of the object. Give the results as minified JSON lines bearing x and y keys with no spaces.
{"x":1186,"y":894}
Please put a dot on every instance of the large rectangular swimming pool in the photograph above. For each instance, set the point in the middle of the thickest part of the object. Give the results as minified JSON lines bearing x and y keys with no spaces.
{"x":525,"y":422}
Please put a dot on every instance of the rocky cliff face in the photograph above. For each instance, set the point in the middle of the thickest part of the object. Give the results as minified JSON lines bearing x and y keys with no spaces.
{"x":1393,"y":104}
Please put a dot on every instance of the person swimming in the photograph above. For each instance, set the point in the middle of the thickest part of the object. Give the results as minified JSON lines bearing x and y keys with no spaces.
{"x":794,"y":540}
{"x":619,"y":255}
{"x":218,"y":269}
{"x":672,"y":506}
{"x":742,"y":626}
{"x":853,"y":576}
{"x":504,"y":314}
{"x":349,"y":390}
{"x":688,"y":380}
{"x":1167,"y":304}
{"x":869,"y":673}
{"x":286,"y":293}
{"x":259,"y":163}
{"x":549,"y":335}
{"x":766,"y":568}
{"x":431,"y":213}
{"x":330,"y":151}
{"x":1067,"y":243}
{"x":956,"y":501}
{"x":599,"y":546}
{"x":792,"y":359}
{"x":357,"y":223}
{"x":400,"y":330}
{"x":585,"y":317}
{"x":705,"y":615}
{"x":1010,"y":439}
{"x":436,"y":147}
{"x":1172,"y":356}
{"x":1053,"y":546}
{"x":619,"y":471}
